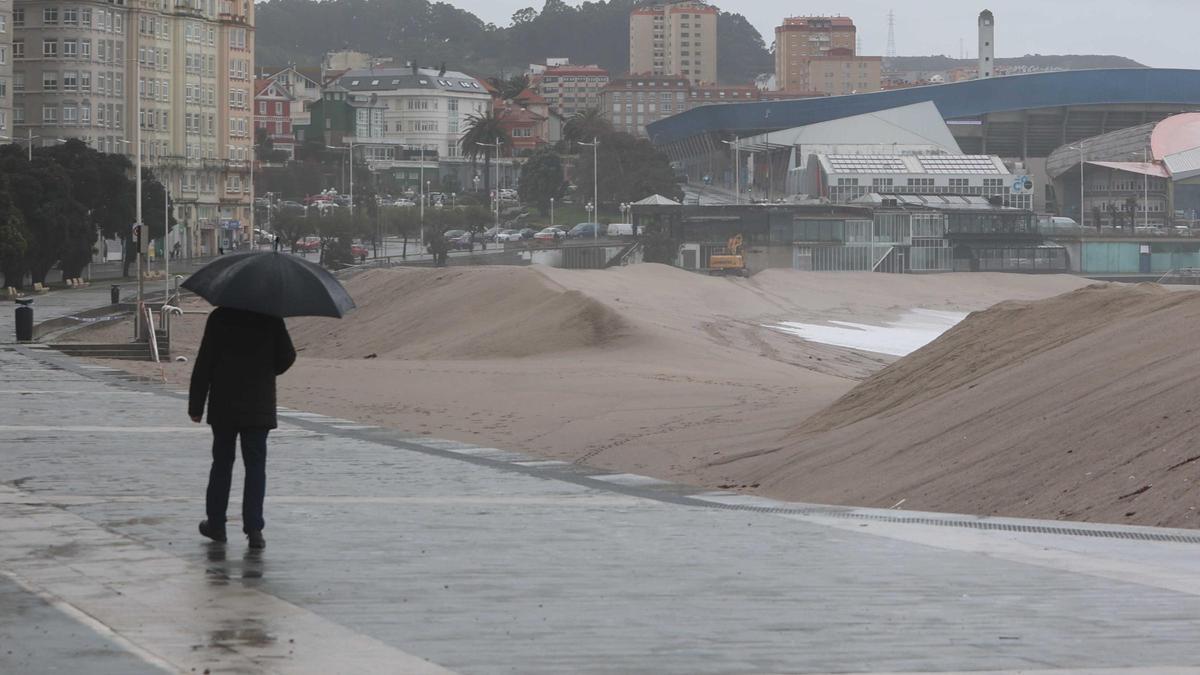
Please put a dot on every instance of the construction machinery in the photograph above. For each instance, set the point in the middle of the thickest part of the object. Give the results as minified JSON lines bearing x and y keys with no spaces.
{"x":732,"y":261}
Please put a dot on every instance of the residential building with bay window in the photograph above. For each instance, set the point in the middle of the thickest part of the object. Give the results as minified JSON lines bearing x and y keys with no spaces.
{"x":179,"y":69}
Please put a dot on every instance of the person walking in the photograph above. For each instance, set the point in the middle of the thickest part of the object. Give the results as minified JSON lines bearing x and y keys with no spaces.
{"x":240,"y":356}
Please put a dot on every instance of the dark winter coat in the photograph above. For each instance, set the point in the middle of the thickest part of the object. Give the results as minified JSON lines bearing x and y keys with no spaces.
{"x":240,"y":355}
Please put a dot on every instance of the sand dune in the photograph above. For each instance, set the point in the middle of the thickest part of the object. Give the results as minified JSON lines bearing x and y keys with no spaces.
{"x":1085,"y":406}
{"x":459,"y":313}
{"x":648,"y":369}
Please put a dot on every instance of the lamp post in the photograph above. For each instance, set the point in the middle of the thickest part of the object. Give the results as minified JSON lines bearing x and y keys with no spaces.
{"x":496,"y":188}
{"x":1081,"y":210}
{"x":28,"y":138}
{"x":1145,"y":187}
{"x":552,"y":212}
{"x":595,"y":146}
{"x":737,"y":170}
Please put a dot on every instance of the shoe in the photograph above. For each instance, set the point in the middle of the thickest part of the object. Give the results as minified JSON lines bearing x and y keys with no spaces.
{"x":256,"y":539}
{"x":214,"y":533}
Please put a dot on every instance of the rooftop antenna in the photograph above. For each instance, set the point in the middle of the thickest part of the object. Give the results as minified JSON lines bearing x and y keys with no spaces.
{"x":891,"y":43}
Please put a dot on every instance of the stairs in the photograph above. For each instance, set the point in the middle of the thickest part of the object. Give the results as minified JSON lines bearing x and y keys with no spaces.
{"x":122,"y":351}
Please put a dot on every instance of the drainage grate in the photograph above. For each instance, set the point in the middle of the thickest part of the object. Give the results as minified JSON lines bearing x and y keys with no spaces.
{"x":965,"y":524}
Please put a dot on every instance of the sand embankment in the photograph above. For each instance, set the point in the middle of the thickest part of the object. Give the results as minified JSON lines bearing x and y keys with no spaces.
{"x":1084,"y":406}
{"x":647,"y":369}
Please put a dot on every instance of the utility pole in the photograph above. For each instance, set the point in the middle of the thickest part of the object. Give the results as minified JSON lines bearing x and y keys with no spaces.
{"x":143,"y":238}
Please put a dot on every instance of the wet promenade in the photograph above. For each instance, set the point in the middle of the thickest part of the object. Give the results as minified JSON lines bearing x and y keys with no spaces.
{"x":394,"y":553}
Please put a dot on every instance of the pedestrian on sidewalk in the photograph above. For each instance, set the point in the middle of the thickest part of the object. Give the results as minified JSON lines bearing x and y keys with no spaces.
{"x":240,"y":356}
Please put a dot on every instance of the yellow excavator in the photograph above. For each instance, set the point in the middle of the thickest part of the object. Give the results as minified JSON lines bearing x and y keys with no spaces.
{"x":732,"y":261}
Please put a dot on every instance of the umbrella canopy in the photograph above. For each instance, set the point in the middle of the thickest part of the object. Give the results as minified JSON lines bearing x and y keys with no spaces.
{"x":277,"y":284}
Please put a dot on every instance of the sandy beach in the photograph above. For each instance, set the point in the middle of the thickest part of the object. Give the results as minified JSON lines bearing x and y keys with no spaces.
{"x":646,"y":369}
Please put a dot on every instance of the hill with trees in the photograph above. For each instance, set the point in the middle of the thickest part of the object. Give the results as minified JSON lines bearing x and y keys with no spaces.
{"x":301,"y":31}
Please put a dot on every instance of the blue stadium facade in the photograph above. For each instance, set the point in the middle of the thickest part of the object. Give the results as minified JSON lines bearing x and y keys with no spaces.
{"x":1031,"y":114}
{"x":1021,"y":117}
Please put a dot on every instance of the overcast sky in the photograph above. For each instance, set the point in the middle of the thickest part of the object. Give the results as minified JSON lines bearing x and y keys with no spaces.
{"x":1160,"y":33}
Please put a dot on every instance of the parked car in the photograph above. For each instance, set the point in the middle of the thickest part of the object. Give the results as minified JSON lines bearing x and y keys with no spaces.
{"x":509,"y":235}
{"x":508,"y":193}
{"x":452,"y":234}
{"x":528,"y":232}
{"x":359,"y":251}
{"x":463,"y":242}
{"x":308,"y":244}
{"x":404,"y":202}
{"x":291,"y":206}
{"x":620,"y":229}
{"x":550,"y":234}
{"x":582,"y":230}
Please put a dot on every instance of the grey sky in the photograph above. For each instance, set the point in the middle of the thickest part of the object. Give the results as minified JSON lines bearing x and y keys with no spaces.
{"x":1161,"y":33}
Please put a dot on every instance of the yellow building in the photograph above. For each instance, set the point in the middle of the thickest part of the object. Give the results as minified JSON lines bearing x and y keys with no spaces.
{"x":674,"y":39}
{"x":818,"y":55}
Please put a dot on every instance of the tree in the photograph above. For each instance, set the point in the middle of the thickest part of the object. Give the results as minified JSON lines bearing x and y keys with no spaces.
{"x":542,"y":179}
{"x":586,"y":125}
{"x":291,"y":227}
{"x":336,"y":232}
{"x":630,"y":169}
{"x":14,"y":238}
{"x":483,"y":129}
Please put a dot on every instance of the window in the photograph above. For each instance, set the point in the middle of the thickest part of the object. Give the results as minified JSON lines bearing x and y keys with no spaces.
{"x":18,"y":49}
{"x":85,"y":49}
{"x":262,"y":107}
{"x":70,"y":81}
{"x":278,"y":108}
{"x":50,"y":15}
{"x":49,"y":113}
{"x":18,"y":115}
{"x":70,"y":17}
{"x":85,"y":81}
{"x":70,"y":48}
{"x":68,"y":114}
{"x":85,"y":114}
{"x":49,"y":48}
{"x":18,"y":15}
{"x":49,"y":81}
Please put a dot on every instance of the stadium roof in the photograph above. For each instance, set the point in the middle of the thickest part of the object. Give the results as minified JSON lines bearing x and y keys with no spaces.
{"x":918,"y":126}
{"x":958,"y":100}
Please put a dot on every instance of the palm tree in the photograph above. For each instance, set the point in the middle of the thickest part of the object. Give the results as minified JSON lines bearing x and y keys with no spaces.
{"x":586,"y":125}
{"x":484,"y":130}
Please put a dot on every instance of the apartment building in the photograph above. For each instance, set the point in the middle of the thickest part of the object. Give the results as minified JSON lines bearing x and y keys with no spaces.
{"x":6,"y":69}
{"x":631,"y":102}
{"x":818,"y":55}
{"x":273,"y":114}
{"x":179,"y":71}
{"x":674,"y":39}
{"x":301,"y":85}
{"x":836,"y":74}
{"x":424,"y":113}
{"x":570,"y":89}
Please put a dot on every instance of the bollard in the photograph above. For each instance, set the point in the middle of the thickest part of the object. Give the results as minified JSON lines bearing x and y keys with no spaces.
{"x":115,"y":292}
{"x":24,"y":320}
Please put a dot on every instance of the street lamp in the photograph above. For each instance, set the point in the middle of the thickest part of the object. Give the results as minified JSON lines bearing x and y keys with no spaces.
{"x":29,"y":138}
{"x":496,"y":189}
{"x":737,"y":170}
{"x":595,"y":146}
{"x":1080,"y":149}
{"x":552,"y":212}
{"x":1145,"y":188}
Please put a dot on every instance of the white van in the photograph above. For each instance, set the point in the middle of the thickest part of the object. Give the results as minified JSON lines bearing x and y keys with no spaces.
{"x":620,"y":229}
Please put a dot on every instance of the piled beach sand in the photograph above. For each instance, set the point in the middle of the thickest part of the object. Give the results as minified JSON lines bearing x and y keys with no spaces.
{"x":1084,"y":406}
{"x":646,"y":369}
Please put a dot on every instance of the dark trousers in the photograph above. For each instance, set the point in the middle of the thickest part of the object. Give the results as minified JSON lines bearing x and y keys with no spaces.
{"x":254,"y":456}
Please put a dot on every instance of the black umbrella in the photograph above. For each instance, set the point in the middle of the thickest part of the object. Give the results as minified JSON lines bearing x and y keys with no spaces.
{"x":277,"y":284}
